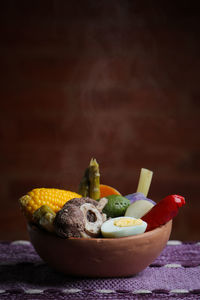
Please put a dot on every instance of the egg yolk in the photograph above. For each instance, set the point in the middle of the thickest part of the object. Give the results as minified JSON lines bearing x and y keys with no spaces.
{"x":126,"y":222}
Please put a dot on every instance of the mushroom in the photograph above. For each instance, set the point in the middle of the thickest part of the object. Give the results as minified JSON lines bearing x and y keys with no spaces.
{"x":80,"y":217}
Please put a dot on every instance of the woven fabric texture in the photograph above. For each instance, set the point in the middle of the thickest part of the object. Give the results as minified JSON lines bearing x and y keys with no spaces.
{"x":175,"y":274}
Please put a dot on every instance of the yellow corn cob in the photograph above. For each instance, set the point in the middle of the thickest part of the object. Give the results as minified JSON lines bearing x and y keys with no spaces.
{"x":55,"y":198}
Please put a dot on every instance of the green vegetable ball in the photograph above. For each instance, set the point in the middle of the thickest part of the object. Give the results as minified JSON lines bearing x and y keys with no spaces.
{"x":116,"y":206}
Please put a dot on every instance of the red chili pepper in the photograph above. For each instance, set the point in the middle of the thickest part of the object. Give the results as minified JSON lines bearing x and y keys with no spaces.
{"x":164,"y":211}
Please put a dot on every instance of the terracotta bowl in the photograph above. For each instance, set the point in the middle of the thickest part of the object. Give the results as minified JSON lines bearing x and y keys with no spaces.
{"x":102,"y":257}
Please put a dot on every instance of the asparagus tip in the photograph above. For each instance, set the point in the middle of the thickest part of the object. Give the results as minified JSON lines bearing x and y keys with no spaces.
{"x":93,"y":162}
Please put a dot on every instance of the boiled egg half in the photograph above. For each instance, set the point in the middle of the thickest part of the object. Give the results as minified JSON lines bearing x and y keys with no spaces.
{"x":122,"y":226}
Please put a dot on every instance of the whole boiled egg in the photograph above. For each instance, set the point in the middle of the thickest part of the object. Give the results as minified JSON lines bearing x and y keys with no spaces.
{"x":122,"y":226}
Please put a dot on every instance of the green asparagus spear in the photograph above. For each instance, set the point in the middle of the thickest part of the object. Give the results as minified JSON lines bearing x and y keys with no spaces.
{"x":44,"y":217}
{"x":84,"y":184}
{"x":94,"y":179}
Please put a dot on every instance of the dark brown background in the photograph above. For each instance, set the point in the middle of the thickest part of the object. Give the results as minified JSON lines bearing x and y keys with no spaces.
{"x":115,"y":80}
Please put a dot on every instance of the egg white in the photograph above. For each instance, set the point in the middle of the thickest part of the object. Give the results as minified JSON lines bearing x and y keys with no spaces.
{"x":110,"y":230}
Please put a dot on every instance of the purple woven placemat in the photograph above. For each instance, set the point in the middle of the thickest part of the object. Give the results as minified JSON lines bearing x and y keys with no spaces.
{"x":175,"y":274}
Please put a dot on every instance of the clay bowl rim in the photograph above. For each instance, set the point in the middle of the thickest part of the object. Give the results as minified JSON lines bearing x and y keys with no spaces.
{"x":147,"y":234}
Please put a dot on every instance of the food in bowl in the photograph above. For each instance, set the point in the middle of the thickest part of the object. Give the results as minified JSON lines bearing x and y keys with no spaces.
{"x":79,"y":220}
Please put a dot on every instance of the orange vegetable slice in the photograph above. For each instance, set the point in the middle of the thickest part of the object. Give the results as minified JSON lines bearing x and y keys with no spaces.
{"x":106,"y":190}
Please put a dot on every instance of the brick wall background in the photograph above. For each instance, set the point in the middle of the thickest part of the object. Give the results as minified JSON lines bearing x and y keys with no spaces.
{"x":115,"y":80}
